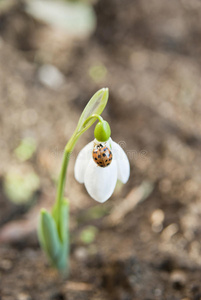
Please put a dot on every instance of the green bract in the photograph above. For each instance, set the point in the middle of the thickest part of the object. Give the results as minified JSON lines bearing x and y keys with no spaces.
{"x":102,"y":131}
{"x":96,"y":106}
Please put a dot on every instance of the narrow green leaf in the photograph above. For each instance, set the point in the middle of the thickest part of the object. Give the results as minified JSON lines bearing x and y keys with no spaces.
{"x":48,"y":235}
{"x":62,"y":261}
{"x":62,"y":221}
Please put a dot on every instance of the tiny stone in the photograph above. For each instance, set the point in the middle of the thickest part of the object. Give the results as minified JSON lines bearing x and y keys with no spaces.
{"x":81,"y":253}
{"x":157,"y":227}
{"x":157,"y":216}
{"x":157,"y":219}
{"x":23,"y":296}
{"x":50,"y":76}
{"x":178,"y":279}
{"x":169,"y":231}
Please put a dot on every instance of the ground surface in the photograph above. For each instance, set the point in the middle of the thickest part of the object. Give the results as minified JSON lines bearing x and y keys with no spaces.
{"x":152,"y":55}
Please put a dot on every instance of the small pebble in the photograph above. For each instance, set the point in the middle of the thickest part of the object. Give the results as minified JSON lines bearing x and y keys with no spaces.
{"x":169,"y":231}
{"x":50,"y":76}
{"x":81,"y":253}
{"x":178,"y":279}
{"x":157,"y":219}
{"x":23,"y":296}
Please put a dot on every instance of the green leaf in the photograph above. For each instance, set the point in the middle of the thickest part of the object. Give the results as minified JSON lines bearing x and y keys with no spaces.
{"x":48,"y":236}
{"x":96,"y":105}
{"x":62,"y":263}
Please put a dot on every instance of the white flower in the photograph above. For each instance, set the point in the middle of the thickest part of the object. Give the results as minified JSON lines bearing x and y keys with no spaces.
{"x":100,"y":182}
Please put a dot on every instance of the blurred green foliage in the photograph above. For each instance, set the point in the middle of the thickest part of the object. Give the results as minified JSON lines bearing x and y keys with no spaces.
{"x":93,"y":213}
{"x":20,"y":186}
{"x":26,"y":149}
{"x":88,"y":234}
{"x":98,"y":72}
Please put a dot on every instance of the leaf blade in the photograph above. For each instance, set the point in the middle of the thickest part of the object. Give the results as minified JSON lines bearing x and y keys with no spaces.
{"x":48,"y":235}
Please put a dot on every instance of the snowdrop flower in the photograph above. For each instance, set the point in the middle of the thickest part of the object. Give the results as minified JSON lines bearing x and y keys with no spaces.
{"x":98,"y":166}
{"x":101,"y":163}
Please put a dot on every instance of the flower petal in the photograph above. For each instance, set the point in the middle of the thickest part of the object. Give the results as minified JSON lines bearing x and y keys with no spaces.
{"x":100,"y":182}
{"x":82,"y":161}
{"x":123,"y":165}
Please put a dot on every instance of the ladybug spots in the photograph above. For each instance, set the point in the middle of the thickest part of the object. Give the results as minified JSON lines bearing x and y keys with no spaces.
{"x":102,"y":156}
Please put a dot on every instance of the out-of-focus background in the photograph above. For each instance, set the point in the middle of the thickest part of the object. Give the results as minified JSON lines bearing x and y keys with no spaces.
{"x":144,"y":243}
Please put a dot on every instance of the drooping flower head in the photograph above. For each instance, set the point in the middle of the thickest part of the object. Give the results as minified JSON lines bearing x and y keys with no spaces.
{"x":101,"y":163}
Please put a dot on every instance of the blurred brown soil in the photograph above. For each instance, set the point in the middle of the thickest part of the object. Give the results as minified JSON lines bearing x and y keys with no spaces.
{"x":152,"y":55}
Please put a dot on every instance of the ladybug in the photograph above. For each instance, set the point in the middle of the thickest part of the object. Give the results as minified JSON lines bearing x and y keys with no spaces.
{"x":102,"y":155}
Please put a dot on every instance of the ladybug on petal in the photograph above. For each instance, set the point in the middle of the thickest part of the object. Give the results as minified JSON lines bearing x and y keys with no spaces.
{"x":102,"y":155}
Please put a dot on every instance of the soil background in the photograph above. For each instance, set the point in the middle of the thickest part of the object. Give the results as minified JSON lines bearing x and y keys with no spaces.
{"x":147,"y":238}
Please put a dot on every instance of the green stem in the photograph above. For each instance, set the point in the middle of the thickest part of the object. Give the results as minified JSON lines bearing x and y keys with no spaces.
{"x":57,"y":209}
{"x":96,"y":116}
{"x":62,"y":178}
{"x":92,"y":117}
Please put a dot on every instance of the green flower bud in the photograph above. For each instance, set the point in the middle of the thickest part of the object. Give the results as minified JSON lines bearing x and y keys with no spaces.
{"x":102,"y":131}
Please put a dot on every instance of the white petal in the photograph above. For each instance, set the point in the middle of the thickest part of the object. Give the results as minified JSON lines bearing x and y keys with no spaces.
{"x":123,"y":165}
{"x":100,"y":182}
{"x":82,"y":161}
